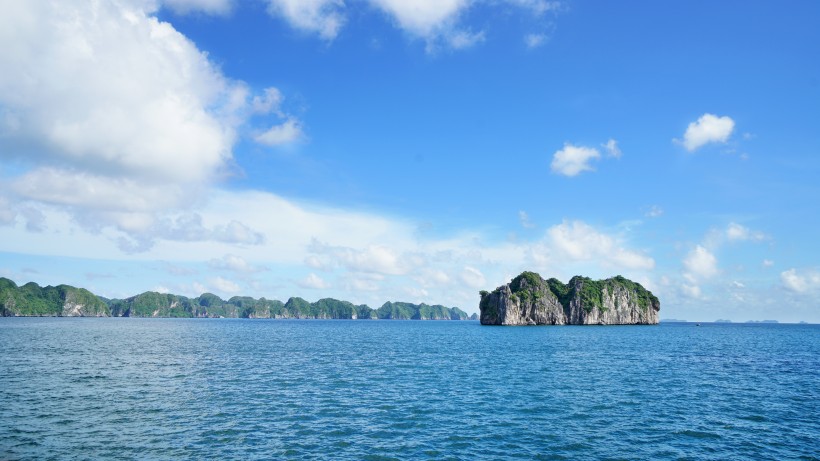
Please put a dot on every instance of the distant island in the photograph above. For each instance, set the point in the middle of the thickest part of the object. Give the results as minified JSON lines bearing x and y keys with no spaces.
{"x":31,"y":300}
{"x":530,"y":300}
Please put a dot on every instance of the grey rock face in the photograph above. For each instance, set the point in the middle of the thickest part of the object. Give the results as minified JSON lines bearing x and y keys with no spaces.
{"x":530,"y":300}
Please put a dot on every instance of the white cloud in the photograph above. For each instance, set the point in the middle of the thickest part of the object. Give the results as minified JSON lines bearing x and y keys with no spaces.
{"x":379,"y":259}
{"x":612,"y":149}
{"x":434,"y":21}
{"x":107,"y":88}
{"x":119,"y":119}
{"x":214,"y":7}
{"x":234,"y":263}
{"x":224,"y":285}
{"x":7,"y":213}
{"x":535,"y":40}
{"x":269,"y":101}
{"x":143,"y":231}
{"x":526,"y":223}
{"x":800,"y":282}
{"x":462,"y":39}
{"x":315,"y":262}
{"x":767,"y":263}
{"x":538,"y":7}
{"x":654,"y":212}
{"x":324,"y":17}
{"x":700,"y":263}
{"x":433,"y":278}
{"x":277,"y":135}
{"x":691,"y":290}
{"x":359,"y":282}
{"x":708,"y":128}
{"x":416,"y":293}
{"x":313,"y":282}
{"x":572,"y":160}
{"x":473,"y":277}
{"x":97,"y":192}
{"x":423,"y":18}
{"x":372,"y":256}
{"x":578,"y":241}
{"x":735,"y":233}
{"x":35,"y":219}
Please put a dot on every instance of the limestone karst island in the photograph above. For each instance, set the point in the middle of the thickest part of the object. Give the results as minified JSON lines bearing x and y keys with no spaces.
{"x":530,"y":300}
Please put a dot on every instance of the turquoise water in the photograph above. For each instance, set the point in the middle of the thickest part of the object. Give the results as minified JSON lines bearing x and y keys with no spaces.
{"x":261,"y":389}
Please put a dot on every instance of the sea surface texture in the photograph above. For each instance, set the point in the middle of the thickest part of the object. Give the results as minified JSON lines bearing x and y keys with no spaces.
{"x":119,"y":388}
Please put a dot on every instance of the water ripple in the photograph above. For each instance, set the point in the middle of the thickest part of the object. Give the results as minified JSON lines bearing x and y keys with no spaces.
{"x":303,"y":390}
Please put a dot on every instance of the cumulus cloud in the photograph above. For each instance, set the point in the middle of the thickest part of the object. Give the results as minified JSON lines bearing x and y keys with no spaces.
{"x":313,"y":282}
{"x":108,"y":88}
{"x":119,"y":119}
{"x":324,"y":17}
{"x":707,"y":129}
{"x":800,"y":282}
{"x":700,"y":263}
{"x":225,"y":286}
{"x":578,"y":241}
{"x":423,"y":18}
{"x":572,"y":160}
{"x":434,"y":21}
{"x":126,"y":111}
{"x":361,"y":252}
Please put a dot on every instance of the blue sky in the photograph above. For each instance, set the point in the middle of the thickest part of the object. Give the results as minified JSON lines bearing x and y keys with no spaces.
{"x":375,"y":150}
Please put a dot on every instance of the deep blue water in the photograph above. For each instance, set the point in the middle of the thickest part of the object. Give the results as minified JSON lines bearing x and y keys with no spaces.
{"x":75,"y":388}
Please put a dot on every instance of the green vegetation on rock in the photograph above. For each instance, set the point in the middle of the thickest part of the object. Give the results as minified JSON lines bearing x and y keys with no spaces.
{"x":531,"y":300}
{"x":63,"y":300}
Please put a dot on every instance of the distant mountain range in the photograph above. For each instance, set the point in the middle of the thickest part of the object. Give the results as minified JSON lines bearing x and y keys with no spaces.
{"x":68,"y":301}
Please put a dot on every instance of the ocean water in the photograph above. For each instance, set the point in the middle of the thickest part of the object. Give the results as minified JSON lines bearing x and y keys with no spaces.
{"x":119,"y":388}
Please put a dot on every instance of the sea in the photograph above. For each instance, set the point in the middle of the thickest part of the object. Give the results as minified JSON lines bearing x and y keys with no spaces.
{"x":237,"y":389}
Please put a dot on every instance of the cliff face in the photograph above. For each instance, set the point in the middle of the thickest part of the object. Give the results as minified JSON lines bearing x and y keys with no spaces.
{"x":530,"y":300}
{"x":60,"y":301}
